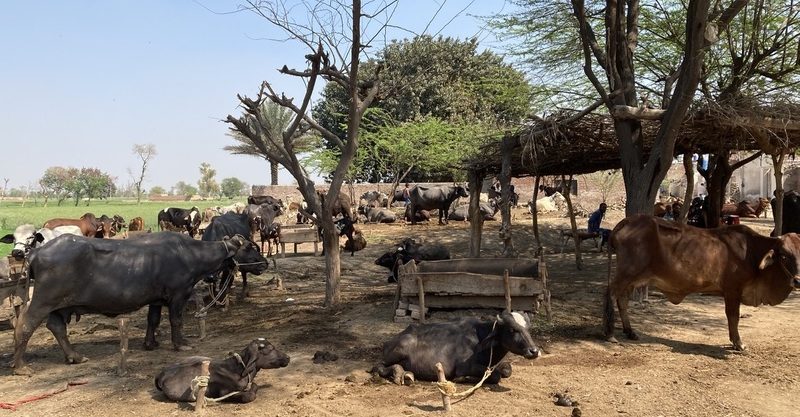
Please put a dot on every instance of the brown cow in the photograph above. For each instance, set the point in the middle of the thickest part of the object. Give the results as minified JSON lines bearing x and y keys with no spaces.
{"x":746,"y":208}
{"x":735,"y":262}
{"x":88,"y":224}
{"x":137,"y":224}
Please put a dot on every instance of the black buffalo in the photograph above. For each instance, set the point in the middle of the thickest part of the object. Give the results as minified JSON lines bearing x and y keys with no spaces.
{"x":77,"y":275}
{"x":180,"y":219}
{"x":437,"y":197}
{"x":233,"y":374}
{"x":264,"y":199}
{"x":465,"y":348}
{"x":790,"y":222}
{"x":344,"y":227}
{"x":409,"y":250}
{"x":461,"y":213}
{"x":226,"y":226}
{"x":377,"y":215}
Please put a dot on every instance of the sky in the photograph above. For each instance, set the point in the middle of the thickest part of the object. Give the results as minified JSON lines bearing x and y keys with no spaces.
{"x":82,"y":81}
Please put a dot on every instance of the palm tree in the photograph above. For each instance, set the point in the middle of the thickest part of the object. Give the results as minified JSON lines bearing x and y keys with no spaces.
{"x":276,"y":118}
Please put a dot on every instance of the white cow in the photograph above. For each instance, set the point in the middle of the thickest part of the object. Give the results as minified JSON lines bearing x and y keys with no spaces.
{"x":236,"y":207}
{"x":555,"y":202}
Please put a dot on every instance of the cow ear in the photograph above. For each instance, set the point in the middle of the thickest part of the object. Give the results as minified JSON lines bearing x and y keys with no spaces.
{"x":38,"y":237}
{"x":7,"y":239}
{"x":767,"y":260}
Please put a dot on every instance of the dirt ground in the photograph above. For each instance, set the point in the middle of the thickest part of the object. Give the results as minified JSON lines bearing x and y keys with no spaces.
{"x":682,"y":366}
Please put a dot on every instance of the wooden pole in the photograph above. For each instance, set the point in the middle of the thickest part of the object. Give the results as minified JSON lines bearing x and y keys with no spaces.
{"x":200,"y":395}
{"x":442,"y":379}
{"x":123,"y":345}
{"x":506,"y":290}
{"x":534,"y":214}
{"x":202,"y":323}
{"x":421,"y":293}
{"x":573,"y":224}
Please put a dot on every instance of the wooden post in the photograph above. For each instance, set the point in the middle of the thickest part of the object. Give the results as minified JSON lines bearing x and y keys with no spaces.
{"x":578,"y":260}
{"x":475,"y":216}
{"x":421,"y":290}
{"x":123,"y":345}
{"x":506,"y":290}
{"x":200,"y":395}
{"x":202,"y":324}
{"x":534,"y":214}
{"x":445,"y":397}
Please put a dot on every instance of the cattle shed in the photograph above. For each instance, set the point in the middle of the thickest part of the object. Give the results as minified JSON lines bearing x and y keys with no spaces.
{"x":570,"y":143}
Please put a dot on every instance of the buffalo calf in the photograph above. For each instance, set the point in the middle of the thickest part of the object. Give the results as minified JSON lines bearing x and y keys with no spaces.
{"x":235,"y":374}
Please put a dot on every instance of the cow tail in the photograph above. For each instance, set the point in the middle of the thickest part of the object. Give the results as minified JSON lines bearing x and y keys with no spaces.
{"x":608,"y":304}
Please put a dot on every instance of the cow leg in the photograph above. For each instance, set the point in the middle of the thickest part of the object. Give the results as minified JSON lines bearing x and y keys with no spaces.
{"x":622,"y":305}
{"x":31,"y":318}
{"x":58,"y":326}
{"x":249,"y":395}
{"x":176,"y":323}
{"x":732,"y":312}
{"x":153,"y":320}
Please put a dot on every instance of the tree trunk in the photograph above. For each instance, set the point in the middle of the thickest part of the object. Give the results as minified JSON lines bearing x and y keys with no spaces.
{"x":534,"y":214}
{"x":273,"y":171}
{"x":475,"y":216}
{"x":688,"y":167}
{"x":333,"y":266}
{"x":777,"y":214}
{"x":717,"y":176}
{"x":505,"y":200}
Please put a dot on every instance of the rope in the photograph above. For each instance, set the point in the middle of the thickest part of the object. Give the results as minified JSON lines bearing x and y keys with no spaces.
{"x":13,"y":405}
{"x":215,"y":298}
{"x":449,"y":388}
{"x":202,"y":381}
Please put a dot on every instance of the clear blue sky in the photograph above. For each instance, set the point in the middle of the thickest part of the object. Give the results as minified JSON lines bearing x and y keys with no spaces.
{"x":82,"y":81}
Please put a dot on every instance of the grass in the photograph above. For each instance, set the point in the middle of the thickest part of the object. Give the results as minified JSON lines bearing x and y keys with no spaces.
{"x":13,"y":213}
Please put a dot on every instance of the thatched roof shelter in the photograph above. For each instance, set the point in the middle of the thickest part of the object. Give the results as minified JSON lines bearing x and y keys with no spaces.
{"x":551,"y":146}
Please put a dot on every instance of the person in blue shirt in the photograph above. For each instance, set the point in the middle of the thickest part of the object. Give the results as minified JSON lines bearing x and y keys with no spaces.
{"x":594,"y":224}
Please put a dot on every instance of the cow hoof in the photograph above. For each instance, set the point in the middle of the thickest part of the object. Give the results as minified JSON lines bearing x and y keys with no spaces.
{"x":76,"y":359}
{"x":611,"y":339}
{"x":504,"y":369}
{"x":739,"y":347}
{"x":151,"y":346}
{"x":632,"y":335}
{"x":23,"y":371}
{"x":408,"y":378}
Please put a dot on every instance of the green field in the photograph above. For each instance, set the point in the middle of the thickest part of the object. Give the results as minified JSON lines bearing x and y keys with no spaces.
{"x":13,"y":214}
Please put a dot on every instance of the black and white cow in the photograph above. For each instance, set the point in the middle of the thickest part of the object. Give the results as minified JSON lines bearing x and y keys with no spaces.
{"x":182,"y":219}
{"x":233,"y":374}
{"x":465,"y":348}
{"x":26,"y":237}
{"x":76,"y":275}
{"x":226,"y":226}
{"x":436,"y":197}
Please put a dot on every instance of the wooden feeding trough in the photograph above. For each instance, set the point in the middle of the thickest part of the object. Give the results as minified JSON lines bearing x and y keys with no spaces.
{"x":298,"y":234}
{"x":471,"y":283}
{"x":14,"y":291}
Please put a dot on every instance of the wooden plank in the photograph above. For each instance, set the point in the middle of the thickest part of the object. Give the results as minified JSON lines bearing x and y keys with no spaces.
{"x":525,"y":303}
{"x":466,"y":283}
{"x":488,"y":266}
{"x":300,"y":236}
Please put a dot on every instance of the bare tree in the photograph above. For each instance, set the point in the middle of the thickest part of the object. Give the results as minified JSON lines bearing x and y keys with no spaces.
{"x":145,"y":154}
{"x":643,"y":173}
{"x":336,"y":40}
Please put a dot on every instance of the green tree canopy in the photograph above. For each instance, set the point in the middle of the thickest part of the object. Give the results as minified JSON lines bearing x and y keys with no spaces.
{"x":157,"y":190}
{"x":233,"y":187}
{"x":207,"y":184}
{"x":429,"y":83}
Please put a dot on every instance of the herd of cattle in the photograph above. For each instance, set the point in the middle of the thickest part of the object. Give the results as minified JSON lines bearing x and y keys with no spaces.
{"x":78,"y":268}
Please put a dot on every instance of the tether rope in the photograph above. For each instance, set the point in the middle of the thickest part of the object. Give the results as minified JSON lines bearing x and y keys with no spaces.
{"x":449,"y":388}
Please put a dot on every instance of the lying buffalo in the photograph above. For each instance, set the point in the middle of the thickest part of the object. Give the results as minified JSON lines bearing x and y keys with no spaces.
{"x":234,"y":374}
{"x":465,"y":348}
{"x":77,"y":275}
{"x":409,"y":250}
